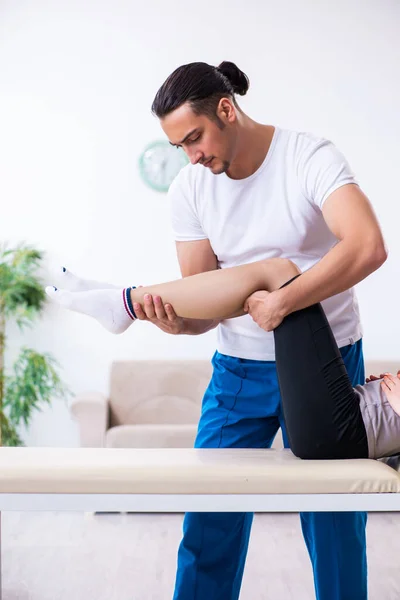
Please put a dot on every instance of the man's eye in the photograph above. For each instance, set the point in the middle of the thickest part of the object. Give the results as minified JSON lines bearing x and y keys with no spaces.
{"x":193,"y":140}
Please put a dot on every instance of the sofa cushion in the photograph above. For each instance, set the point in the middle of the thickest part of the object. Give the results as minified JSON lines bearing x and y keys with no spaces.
{"x":151,"y":436}
{"x":157,"y":391}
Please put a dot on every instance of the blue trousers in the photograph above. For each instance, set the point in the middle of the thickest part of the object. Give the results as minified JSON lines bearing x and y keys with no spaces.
{"x":242,"y":409}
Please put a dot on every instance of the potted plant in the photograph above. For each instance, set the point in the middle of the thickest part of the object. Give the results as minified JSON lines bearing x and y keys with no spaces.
{"x":33,"y":379}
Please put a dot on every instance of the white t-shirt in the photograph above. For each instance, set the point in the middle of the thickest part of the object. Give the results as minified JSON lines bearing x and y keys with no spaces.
{"x":276,"y":212}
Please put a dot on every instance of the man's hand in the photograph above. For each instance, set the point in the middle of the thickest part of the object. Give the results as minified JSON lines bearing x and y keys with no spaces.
{"x":266,"y":309}
{"x":164,"y":317}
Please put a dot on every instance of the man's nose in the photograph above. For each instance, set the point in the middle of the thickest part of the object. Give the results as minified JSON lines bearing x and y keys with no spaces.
{"x":195,"y":157}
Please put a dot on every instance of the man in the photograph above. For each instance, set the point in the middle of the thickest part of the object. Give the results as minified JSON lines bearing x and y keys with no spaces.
{"x":254,"y":191}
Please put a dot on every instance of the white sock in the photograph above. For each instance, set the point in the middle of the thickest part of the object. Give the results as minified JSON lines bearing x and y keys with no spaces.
{"x":112,"y":308}
{"x":73,"y":283}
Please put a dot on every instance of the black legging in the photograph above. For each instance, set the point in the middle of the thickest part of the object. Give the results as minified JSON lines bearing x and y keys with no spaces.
{"x":321,"y":409}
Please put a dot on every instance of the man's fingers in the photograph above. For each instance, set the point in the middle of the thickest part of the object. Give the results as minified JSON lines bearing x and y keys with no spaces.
{"x":171,"y":314}
{"x":159,"y":308}
{"x":149,"y":306}
{"x":139,"y":311}
{"x":248,"y":306}
{"x":153,"y":309}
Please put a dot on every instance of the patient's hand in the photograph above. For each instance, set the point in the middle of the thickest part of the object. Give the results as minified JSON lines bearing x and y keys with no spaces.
{"x":391,"y":387}
{"x":374,"y":377}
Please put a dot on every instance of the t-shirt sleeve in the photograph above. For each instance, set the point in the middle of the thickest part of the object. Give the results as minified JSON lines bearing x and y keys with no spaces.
{"x":185,"y":221}
{"x":323,"y":169}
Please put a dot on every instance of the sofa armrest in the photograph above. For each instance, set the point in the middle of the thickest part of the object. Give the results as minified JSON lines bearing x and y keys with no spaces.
{"x":91,"y":411}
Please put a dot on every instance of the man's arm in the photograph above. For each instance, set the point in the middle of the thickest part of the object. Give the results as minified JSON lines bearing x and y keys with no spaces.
{"x":359,"y":251}
{"x":194,"y":257}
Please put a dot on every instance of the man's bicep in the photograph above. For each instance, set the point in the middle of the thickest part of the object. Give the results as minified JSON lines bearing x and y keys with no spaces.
{"x":196,"y":257}
{"x":348,"y":212}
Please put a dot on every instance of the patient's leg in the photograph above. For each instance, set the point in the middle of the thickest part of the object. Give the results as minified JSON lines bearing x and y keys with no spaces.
{"x":218,"y":294}
{"x":321,"y":409}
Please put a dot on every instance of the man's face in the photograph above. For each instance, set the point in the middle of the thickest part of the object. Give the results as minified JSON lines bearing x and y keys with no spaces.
{"x":205,"y":141}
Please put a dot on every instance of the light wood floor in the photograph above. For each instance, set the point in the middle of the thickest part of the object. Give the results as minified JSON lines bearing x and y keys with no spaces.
{"x":73,"y":556}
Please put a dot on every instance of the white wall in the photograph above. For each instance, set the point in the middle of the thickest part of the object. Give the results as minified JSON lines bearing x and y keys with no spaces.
{"x":76,"y":85}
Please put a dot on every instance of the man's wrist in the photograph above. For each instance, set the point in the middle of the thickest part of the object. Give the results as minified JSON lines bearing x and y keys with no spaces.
{"x":197,"y":326}
{"x":286,"y":300}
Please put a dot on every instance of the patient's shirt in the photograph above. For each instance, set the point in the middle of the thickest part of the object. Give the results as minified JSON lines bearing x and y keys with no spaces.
{"x":381,"y":422}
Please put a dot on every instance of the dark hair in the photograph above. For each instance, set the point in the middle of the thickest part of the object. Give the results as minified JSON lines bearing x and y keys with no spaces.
{"x":202,"y":86}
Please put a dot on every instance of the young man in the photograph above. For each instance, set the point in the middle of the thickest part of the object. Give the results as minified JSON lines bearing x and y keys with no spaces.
{"x":252,"y":192}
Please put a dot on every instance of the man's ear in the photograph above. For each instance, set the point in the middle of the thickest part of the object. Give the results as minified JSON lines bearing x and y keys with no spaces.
{"x":226,"y":111}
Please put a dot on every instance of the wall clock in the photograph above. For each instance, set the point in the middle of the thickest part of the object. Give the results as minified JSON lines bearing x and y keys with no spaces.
{"x":160,"y":163}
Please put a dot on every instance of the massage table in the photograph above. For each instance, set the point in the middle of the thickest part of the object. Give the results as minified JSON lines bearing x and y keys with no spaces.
{"x":186,"y":479}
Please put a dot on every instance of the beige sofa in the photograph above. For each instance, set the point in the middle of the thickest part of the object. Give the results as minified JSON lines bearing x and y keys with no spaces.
{"x":151,"y":404}
{"x":154,"y":404}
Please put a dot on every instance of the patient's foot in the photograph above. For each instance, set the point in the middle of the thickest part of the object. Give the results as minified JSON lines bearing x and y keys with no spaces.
{"x":112,"y":308}
{"x":391,"y":387}
{"x":73,"y":283}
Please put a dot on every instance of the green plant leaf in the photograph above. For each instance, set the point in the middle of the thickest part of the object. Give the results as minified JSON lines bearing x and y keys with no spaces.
{"x":9,"y":433}
{"x":34,"y":382}
{"x":22,"y":293}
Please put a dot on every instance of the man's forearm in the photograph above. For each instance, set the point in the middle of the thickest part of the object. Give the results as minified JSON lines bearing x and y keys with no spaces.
{"x":198,"y":326}
{"x":340,"y":269}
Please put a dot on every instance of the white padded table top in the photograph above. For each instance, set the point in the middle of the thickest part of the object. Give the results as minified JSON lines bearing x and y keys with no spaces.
{"x":186,"y":471}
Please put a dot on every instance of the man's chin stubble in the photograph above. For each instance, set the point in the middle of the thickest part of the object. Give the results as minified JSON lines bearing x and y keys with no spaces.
{"x":223,"y":169}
